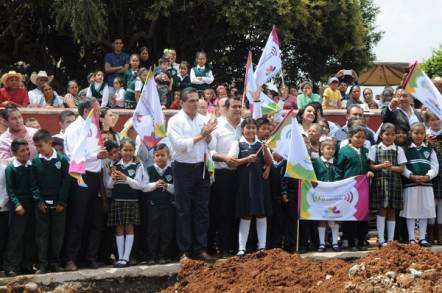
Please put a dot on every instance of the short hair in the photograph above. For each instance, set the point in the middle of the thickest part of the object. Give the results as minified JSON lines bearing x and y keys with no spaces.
{"x":161,"y":146}
{"x":57,"y":141}
{"x":86,"y":103}
{"x":117,"y":37}
{"x":262,"y":121}
{"x":230,"y":100}
{"x":349,"y":108}
{"x":16,"y":143}
{"x":318,"y":127}
{"x":42,"y":135}
{"x":185,"y":93}
{"x":301,"y":113}
{"x":247,"y":121}
{"x":352,"y":120}
{"x":66,"y":113}
{"x":163,"y":60}
{"x":110,"y":144}
{"x":7,"y":112}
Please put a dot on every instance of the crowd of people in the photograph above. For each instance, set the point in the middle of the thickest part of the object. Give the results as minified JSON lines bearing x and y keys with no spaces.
{"x":155,"y":205}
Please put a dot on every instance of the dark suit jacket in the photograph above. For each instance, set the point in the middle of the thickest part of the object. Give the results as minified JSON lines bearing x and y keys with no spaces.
{"x":398,"y":118}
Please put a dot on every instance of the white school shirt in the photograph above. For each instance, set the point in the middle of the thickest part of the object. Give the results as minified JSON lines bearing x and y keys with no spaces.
{"x":431,"y":132}
{"x":204,"y":79}
{"x":434,"y":163}
{"x":401,"y":158}
{"x":223,"y":137}
{"x":135,"y":183}
{"x":150,"y":186}
{"x":119,"y":97}
{"x":71,"y":137}
{"x":104,"y":95}
{"x":181,"y":130}
{"x":234,"y":149}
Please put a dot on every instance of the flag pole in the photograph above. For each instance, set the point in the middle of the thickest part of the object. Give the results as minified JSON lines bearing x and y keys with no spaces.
{"x":299,"y":215}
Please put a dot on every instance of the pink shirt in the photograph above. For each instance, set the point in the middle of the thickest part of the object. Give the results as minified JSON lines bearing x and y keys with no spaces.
{"x":6,"y":139}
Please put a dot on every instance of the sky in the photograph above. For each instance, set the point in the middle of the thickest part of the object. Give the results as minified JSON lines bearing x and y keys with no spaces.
{"x":411,"y":29}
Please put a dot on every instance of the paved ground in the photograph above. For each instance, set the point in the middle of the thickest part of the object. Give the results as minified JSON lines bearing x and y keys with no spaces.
{"x":147,"y":271}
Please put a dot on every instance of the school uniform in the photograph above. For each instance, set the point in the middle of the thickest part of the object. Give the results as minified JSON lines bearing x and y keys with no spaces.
{"x":4,"y":213}
{"x":163,"y":87}
{"x":135,"y":85}
{"x":353,"y":162}
{"x":51,"y":183}
{"x":206,"y":77}
{"x":99,"y":91}
{"x":181,"y":82}
{"x":386,"y":187}
{"x":124,"y":207}
{"x":20,"y":249}
{"x":419,"y":199}
{"x":277,"y":222}
{"x":254,"y":192}
{"x":161,"y":212}
{"x":436,"y":230}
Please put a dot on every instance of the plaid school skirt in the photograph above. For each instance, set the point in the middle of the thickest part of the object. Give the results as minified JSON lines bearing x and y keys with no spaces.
{"x":123,"y":212}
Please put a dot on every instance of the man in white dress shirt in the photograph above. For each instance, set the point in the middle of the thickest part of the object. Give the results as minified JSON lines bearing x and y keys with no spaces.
{"x":223,"y":195}
{"x":190,"y":135}
{"x":85,"y":206}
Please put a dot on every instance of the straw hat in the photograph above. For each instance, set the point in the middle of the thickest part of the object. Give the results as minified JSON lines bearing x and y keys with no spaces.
{"x":40,"y":74}
{"x":10,"y":74}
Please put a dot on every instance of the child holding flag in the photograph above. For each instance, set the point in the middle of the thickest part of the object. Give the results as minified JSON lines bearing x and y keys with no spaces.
{"x":352,"y":161}
{"x":326,"y":171}
{"x":387,"y":161}
{"x":125,"y":182}
{"x":418,"y":193}
{"x":254,"y":197}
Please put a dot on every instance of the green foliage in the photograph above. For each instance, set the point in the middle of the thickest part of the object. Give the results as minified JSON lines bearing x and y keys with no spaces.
{"x":69,"y":38}
{"x":433,"y":66}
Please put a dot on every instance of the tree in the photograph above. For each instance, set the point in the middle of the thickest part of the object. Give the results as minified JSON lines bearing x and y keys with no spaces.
{"x":433,"y":65}
{"x":69,"y":38}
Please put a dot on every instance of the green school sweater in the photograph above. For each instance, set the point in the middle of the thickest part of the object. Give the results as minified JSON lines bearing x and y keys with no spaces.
{"x":419,"y":163}
{"x":51,"y":179}
{"x":324,"y":172}
{"x":350,"y":163}
{"x":18,"y":183}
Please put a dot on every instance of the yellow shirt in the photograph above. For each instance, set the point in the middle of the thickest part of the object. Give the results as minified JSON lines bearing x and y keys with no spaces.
{"x":331,"y":98}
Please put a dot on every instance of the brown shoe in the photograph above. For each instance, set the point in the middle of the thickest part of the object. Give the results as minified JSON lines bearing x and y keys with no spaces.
{"x":204,"y":256}
{"x":70,"y":266}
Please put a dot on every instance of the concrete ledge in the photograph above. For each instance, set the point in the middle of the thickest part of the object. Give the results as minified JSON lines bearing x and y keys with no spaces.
{"x":152,"y":271}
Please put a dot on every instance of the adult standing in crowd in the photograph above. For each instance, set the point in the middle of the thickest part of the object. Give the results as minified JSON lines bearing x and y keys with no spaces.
{"x":85,"y":202}
{"x":16,"y":129}
{"x":400,"y":112}
{"x":115,"y":63}
{"x":223,"y":198}
{"x":144,"y":59}
{"x":66,"y":118}
{"x":307,"y":95}
{"x":36,"y":95}
{"x":355,"y":97}
{"x":306,"y":117}
{"x":354,"y":110}
{"x":11,"y":94}
{"x":72,"y":97}
{"x":369,"y":100}
{"x":289,"y":101}
{"x":190,"y":134}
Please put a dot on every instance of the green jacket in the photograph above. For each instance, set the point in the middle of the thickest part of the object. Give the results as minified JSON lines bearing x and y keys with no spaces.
{"x":350,"y":163}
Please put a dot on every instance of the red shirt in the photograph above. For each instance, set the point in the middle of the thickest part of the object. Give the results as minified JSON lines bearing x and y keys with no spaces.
{"x":20,"y":96}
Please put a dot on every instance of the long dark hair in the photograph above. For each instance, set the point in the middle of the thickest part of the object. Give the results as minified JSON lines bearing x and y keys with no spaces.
{"x":301,"y":113}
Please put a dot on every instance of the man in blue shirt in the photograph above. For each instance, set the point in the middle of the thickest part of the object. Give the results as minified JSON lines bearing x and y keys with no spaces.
{"x":116,"y":62}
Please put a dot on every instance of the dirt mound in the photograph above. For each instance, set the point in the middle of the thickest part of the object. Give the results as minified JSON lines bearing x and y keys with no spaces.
{"x":395,"y":266}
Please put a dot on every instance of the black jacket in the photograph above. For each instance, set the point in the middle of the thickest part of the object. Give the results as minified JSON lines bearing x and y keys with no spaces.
{"x":398,"y":118}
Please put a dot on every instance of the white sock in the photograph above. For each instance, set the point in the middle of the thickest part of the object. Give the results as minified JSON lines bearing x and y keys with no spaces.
{"x":422,"y":228}
{"x":120,"y":246}
{"x":244,"y":227}
{"x":128,"y":246}
{"x":261,"y":230}
{"x":321,"y":231}
{"x":410,"y":228}
{"x":335,"y":231}
{"x":390,"y":230}
{"x":380,"y":225}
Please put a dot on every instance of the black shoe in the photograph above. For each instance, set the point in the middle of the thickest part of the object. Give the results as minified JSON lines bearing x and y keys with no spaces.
{"x":336,"y":247}
{"x":28,"y":271}
{"x":92,"y":264}
{"x":150,"y":261}
{"x":321,"y":248}
{"x":70,"y":266}
{"x":162,"y":261}
{"x":42,"y":270}
{"x":353,"y":248}
{"x":121,"y":264}
{"x":362,"y":248}
{"x":424,"y":243}
{"x":184,"y":257}
{"x":204,"y":257}
{"x":11,"y":273}
{"x":56,"y":268}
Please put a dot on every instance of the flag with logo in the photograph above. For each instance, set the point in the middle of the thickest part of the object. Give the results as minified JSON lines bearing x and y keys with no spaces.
{"x":77,"y":166}
{"x":270,"y":62}
{"x":344,"y":200}
{"x":299,"y":164}
{"x":279,"y":140}
{"x":148,"y":119}
{"x":419,"y":85}
{"x":268,"y":106}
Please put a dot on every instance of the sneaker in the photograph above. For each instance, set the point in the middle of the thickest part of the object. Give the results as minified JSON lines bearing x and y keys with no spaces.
{"x":424,"y":243}
{"x":70,"y":266}
{"x":241,"y":253}
{"x":321,"y":248}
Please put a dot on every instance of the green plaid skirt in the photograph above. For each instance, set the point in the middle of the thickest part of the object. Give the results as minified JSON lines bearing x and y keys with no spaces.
{"x":386,"y":187}
{"x":123,"y":212}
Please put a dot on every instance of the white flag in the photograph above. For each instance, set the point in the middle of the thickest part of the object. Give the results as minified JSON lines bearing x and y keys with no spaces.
{"x":270,"y":62}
